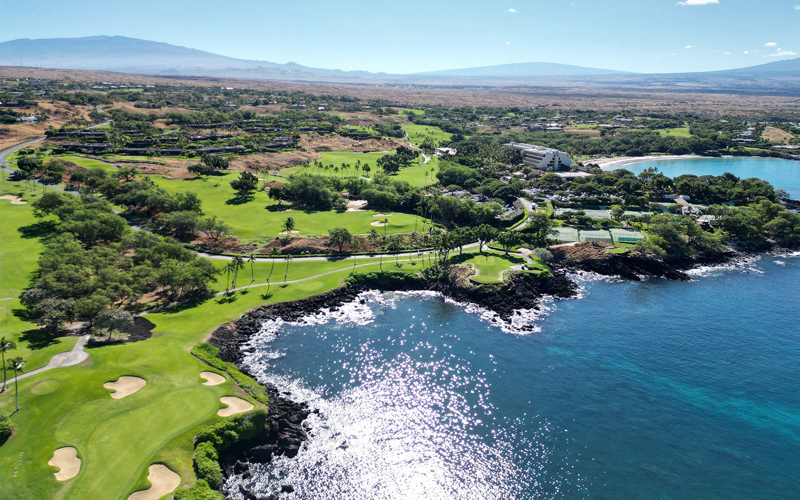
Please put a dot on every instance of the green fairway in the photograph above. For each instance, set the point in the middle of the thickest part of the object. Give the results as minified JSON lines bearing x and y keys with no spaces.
{"x":418,"y":174}
{"x":260,"y":219}
{"x":118,"y":439}
{"x":490,"y":267}
{"x":418,"y":133}
{"x":676,"y":132}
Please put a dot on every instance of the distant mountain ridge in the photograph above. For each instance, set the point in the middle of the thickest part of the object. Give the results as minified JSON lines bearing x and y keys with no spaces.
{"x":516,"y":70}
{"x":133,"y":55}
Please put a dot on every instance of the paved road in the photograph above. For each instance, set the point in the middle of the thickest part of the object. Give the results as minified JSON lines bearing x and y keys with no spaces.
{"x":69,"y":358}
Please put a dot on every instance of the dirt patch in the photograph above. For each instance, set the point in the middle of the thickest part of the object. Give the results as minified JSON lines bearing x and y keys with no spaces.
{"x":322,"y":143}
{"x":67,"y":461}
{"x":212,"y":378}
{"x":287,"y":233}
{"x":378,"y":223}
{"x":582,"y":131}
{"x":235,"y":406}
{"x":162,"y":481}
{"x":775,"y":135}
{"x":125,"y":386}
{"x":15,"y":200}
{"x":270,"y":161}
{"x":383,"y":215}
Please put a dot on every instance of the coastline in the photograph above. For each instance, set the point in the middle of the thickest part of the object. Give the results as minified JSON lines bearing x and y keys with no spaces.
{"x":620,"y":161}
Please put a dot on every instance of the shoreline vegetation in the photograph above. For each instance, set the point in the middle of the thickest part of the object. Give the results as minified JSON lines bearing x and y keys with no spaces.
{"x":287,"y":430}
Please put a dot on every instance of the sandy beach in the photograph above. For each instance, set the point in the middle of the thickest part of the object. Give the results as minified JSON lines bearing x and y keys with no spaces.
{"x":621,"y":161}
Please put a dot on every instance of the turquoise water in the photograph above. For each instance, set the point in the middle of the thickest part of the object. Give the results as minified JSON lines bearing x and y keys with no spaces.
{"x":780,"y":173}
{"x":653,"y":390}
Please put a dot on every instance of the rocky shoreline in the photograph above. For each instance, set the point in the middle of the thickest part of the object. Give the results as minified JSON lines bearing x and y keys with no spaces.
{"x":286,"y":433}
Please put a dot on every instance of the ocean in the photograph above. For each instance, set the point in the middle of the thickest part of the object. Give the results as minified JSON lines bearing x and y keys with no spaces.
{"x":648,"y":390}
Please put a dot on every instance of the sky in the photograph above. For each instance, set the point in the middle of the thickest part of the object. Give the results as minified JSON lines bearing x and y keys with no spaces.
{"x":648,"y":36}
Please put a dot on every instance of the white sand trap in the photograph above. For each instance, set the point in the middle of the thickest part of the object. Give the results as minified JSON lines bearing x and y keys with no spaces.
{"x":67,"y":461}
{"x":15,"y":200}
{"x":379,"y":223}
{"x":383,"y":215}
{"x":125,"y":386}
{"x":235,"y":406}
{"x":163,"y":481}
{"x":212,"y":378}
{"x":293,"y":231}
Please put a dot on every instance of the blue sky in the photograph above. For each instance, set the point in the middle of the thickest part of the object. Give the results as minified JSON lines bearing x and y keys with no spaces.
{"x":413,"y":35}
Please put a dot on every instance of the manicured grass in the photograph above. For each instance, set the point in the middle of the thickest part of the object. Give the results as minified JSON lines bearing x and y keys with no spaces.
{"x":89,"y":163}
{"x":676,"y":132}
{"x":418,"y":133}
{"x":259,"y":218}
{"x":18,"y":261}
{"x":118,"y":439}
{"x":490,"y":266}
{"x":417,"y":174}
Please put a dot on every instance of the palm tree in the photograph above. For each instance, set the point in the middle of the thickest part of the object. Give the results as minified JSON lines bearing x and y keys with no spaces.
{"x":273,"y":255}
{"x":251,"y":259}
{"x":288,"y":258}
{"x":236,"y":264}
{"x":228,"y":268}
{"x":16,"y":364}
{"x":288,"y":226}
{"x":5,"y":346}
{"x":355,"y":244}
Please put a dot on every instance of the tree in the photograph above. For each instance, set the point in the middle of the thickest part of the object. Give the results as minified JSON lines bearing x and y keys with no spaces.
{"x":213,"y":229}
{"x":251,"y":259}
{"x":508,"y":239}
{"x":113,"y":320}
{"x":245,"y":186}
{"x":216,"y":162}
{"x":16,"y":364}
{"x":273,"y":254}
{"x":339,"y":236}
{"x":355,"y":243}
{"x":288,"y":258}
{"x":5,"y":346}
{"x":540,"y":226}
{"x":485,"y":233}
{"x":277,"y":193}
{"x":237,"y":263}
{"x":288,"y":226}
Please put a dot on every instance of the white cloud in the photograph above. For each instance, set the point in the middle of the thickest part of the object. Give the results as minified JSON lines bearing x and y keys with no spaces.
{"x":782,"y":53}
{"x":508,"y":43}
{"x":746,"y":51}
{"x":513,"y":11}
{"x":770,"y":44}
{"x":726,"y":53}
{"x":689,"y":47}
{"x":797,"y":7}
{"x":698,"y":2}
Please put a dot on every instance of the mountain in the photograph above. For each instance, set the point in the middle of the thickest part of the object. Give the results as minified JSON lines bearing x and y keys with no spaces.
{"x":132,"y":55}
{"x":524,"y":70}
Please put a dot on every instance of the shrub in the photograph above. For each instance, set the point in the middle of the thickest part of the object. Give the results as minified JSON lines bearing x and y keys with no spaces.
{"x":544,"y":254}
{"x":199,"y":491}
{"x":206,"y":464}
{"x":6,"y":428}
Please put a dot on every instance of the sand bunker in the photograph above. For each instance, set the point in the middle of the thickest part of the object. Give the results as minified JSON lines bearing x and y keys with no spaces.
{"x":379,"y":223}
{"x":356,"y":205}
{"x":212,"y":378}
{"x":293,"y":231}
{"x":125,"y":386}
{"x":15,"y":200}
{"x":163,"y":481}
{"x":383,"y":215}
{"x":67,"y":461}
{"x":235,"y":406}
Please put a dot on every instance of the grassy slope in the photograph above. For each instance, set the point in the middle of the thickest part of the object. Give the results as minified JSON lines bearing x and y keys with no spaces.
{"x":413,"y":174}
{"x":491,"y":266}
{"x":252,"y":221}
{"x":676,"y":132}
{"x":18,"y":257}
{"x":418,"y":133}
{"x":118,"y":439}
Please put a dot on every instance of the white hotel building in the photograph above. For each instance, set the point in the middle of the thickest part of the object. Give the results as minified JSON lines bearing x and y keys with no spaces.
{"x":542,"y":158}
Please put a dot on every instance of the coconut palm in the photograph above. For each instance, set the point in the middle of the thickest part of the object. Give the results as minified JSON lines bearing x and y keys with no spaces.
{"x":5,"y":346}
{"x":16,"y":364}
{"x":288,"y":226}
{"x":273,"y":255}
{"x":355,"y":244}
{"x":288,"y":258}
{"x":251,"y":259}
{"x":236,"y":264}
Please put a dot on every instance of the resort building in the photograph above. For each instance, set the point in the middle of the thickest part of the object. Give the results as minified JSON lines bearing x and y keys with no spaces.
{"x":542,"y":158}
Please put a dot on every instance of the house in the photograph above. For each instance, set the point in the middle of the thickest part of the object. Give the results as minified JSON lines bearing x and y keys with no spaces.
{"x":445,"y":151}
{"x":542,"y":158}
